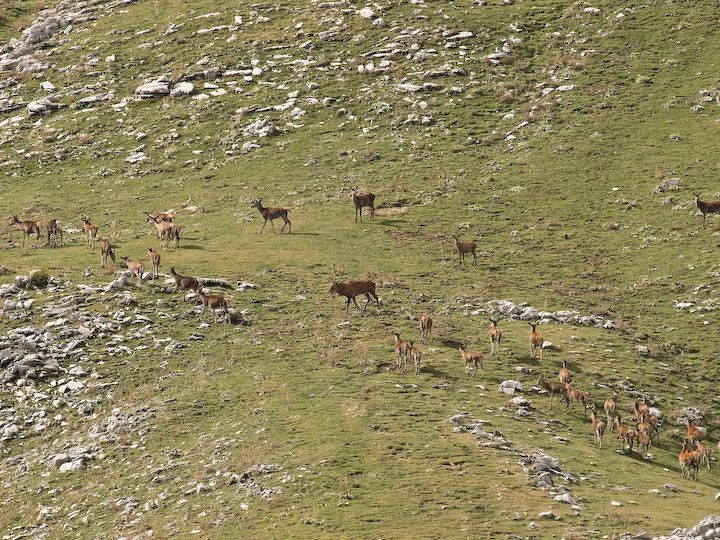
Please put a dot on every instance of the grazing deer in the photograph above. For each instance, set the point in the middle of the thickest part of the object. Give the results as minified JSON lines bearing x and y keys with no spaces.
{"x":213,"y":302}
{"x":707,"y":207}
{"x":610,"y":408}
{"x":689,"y":460}
{"x":536,"y":343}
{"x":554,"y":389}
{"x":415,"y":355}
{"x":155,"y":261}
{"x":624,"y":434}
{"x":54,"y":233}
{"x":598,"y":427}
{"x":27,"y":227}
{"x":106,"y":252}
{"x":166,"y":231}
{"x":402,"y":349}
{"x":495,"y":338}
{"x":136,"y":268}
{"x":703,"y":449}
{"x":162,"y":216}
{"x":90,"y":233}
{"x":351,"y":289}
{"x":272,"y":213}
{"x":184,"y":282}
{"x":574,"y":395}
{"x":472,"y":359}
{"x":361,"y":200}
{"x":564,"y":374}
{"x":426,"y":323}
{"x":463,"y":247}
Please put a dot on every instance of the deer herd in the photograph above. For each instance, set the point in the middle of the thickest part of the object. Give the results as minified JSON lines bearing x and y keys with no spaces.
{"x":641,"y":433}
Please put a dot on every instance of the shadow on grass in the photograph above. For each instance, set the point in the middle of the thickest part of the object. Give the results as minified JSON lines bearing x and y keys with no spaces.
{"x":437,"y":373}
{"x":191,"y":246}
{"x":390,"y":222}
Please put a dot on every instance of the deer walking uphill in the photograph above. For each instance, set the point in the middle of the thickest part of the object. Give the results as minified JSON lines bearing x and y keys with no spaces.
{"x":271,"y":213}
{"x":402,"y":350}
{"x":495,"y":338}
{"x":536,"y":343}
{"x":90,"y":233}
{"x":214,"y":302}
{"x":154,"y":257}
{"x":28,"y":227}
{"x":184,"y":282}
{"x":465,"y":246}
{"x":426,"y":323}
{"x":598,"y":427}
{"x":472,"y":360}
{"x":564,"y":374}
{"x":707,"y":207}
{"x":361,"y":200}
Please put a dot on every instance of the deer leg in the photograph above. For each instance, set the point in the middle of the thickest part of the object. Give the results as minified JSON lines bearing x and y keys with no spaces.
{"x":272,"y":225}
{"x":360,"y":215}
{"x":263,"y":227}
{"x":347,"y":306}
{"x":474,"y":259}
{"x":356,"y":304}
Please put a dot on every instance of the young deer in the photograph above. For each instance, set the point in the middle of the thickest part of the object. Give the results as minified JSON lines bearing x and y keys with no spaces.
{"x":272,"y":213}
{"x":574,"y":395}
{"x":536,"y":343}
{"x":54,"y":233}
{"x":90,"y":233}
{"x":213,"y":302}
{"x":564,"y":374}
{"x":28,"y":227}
{"x":695,"y":433}
{"x":184,"y":282}
{"x":598,"y":427}
{"x":415,"y":355}
{"x":707,"y":207}
{"x":610,"y":408}
{"x":703,"y":449}
{"x":554,"y":389}
{"x":106,"y":252}
{"x":495,"y":338}
{"x":426,"y":323}
{"x":642,"y":411}
{"x":361,"y":200}
{"x":154,"y":261}
{"x":351,"y":289}
{"x":166,"y":231}
{"x":644,"y":443}
{"x":463,"y":247}
{"x":624,"y":434}
{"x":402,"y":350}
{"x":689,"y":460}
{"x":472,"y":359}
{"x":136,"y":268}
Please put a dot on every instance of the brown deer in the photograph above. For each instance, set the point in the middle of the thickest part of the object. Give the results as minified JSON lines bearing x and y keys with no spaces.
{"x":214,"y":303}
{"x":536,"y":343}
{"x":689,"y":460}
{"x":463,"y":247}
{"x":644,"y":443}
{"x":495,"y":338}
{"x":402,"y":350}
{"x":598,"y":427}
{"x":184,"y":282}
{"x":641,"y":410}
{"x":472,"y":359}
{"x":695,"y":433}
{"x":703,"y":449}
{"x":554,"y":389}
{"x":272,"y":213}
{"x":162,"y":216}
{"x":351,"y":289}
{"x":54,"y":233}
{"x":136,"y":268}
{"x":106,"y":252}
{"x":90,"y":233}
{"x":361,"y":200}
{"x":416,"y":356}
{"x":166,"y":231}
{"x":574,"y":395}
{"x":624,"y":434}
{"x":154,"y":261}
{"x":707,"y":207}
{"x":426,"y":323}
{"x":610,"y":409}
{"x":564,"y":374}
{"x":28,"y":227}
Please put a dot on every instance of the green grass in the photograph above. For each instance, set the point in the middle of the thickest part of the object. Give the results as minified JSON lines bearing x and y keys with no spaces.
{"x":328,"y":407}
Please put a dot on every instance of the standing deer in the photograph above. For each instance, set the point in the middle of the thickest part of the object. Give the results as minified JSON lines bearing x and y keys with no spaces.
{"x":54,"y":233}
{"x":166,"y":231}
{"x":213,"y":302}
{"x":90,"y":233}
{"x":564,"y":374}
{"x":351,"y":289}
{"x":402,"y":349}
{"x":495,"y":338}
{"x":106,"y":252}
{"x":536,"y":343}
{"x":598,"y":427}
{"x":162,"y":216}
{"x":707,"y":207}
{"x":610,"y":407}
{"x":472,"y":359}
{"x":184,"y":282}
{"x":271,"y":213}
{"x":136,"y":269}
{"x":554,"y":389}
{"x":426,"y":323}
{"x":155,"y":261}
{"x":689,"y":460}
{"x":463,"y":247}
{"x":415,"y":355}
{"x":27,"y":227}
{"x":361,"y":200}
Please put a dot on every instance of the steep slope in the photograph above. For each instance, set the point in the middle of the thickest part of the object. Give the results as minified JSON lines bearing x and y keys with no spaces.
{"x":546,"y":132}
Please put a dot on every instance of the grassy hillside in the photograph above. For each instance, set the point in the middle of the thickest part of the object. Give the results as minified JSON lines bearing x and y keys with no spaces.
{"x":558,"y":187}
